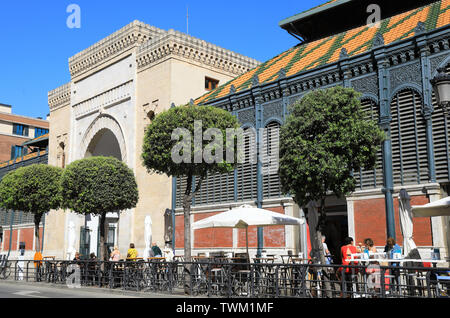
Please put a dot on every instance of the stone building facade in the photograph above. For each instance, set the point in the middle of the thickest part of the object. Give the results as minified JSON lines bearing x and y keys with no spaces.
{"x":116,"y":86}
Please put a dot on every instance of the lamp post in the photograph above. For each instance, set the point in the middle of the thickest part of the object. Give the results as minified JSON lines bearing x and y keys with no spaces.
{"x":441,"y":88}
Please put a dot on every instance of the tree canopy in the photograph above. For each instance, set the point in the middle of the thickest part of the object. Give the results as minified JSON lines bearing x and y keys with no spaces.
{"x":32,"y":189}
{"x":191,"y":141}
{"x":98,"y":185}
{"x":326,"y":137}
{"x":158,"y":145}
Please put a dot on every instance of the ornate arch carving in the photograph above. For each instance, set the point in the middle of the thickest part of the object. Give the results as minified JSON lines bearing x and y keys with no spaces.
{"x":407,"y":86}
{"x":273,"y":120}
{"x":370,"y":97}
{"x":438,"y":62}
{"x":101,"y":123}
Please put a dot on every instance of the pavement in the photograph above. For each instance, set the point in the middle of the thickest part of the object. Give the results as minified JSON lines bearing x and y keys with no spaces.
{"x":15,"y":289}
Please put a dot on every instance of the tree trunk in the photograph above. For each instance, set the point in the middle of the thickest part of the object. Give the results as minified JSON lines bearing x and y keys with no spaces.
{"x":316,"y":218}
{"x":187,"y":201}
{"x":37,"y":221}
{"x":103,"y":230}
{"x":321,"y":222}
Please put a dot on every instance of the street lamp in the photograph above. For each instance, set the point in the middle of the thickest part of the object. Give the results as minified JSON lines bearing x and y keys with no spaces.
{"x":441,"y":87}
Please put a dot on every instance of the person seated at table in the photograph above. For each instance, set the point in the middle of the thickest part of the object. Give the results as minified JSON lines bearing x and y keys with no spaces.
{"x":132,"y":252}
{"x":390,"y":249}
{"x":115,"y":255}
{"x":346,"y":251}
{"x":326,"y":251}
{"x":368,"y":246}
{"x":77,"y":257}
{"x":91,"y":268}
{"x":156,"y":250}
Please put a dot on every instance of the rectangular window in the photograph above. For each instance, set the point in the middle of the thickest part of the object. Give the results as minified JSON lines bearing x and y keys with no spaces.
{"x":21,"y":130}
{"x":18,"y":151}
{"x":211,"y":83}
{"x":38,"y":132}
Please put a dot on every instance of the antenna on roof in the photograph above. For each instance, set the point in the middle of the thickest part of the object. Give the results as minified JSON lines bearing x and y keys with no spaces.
{"x":187,"y":20}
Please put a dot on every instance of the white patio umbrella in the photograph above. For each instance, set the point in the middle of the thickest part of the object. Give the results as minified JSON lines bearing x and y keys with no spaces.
{"x":147,"y":236}
{"x":437,"y":208}
{"x":245,"y":216}
{"x":71,"y":241}
{"x":406,"y":221}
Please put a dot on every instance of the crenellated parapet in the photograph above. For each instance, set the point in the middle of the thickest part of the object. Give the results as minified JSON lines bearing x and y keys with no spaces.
{"x":130,"y":36}
{"x":174,"y":43}
{"x":59,"y":97}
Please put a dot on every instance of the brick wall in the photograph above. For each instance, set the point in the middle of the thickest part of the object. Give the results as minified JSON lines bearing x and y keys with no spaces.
{"x":207,"y":238}
{"x":20,"y":235}
{"x":370,"y":222}
{"x":179,"y":231}
{"x":6,"y":234}
{"x":25,"y":120}
{"x":5,"y":146}
{"x":274,"y":236}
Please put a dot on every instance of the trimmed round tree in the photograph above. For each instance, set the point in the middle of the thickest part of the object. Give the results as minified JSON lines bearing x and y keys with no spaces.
{"x":191,"y":141}
{"x":97,"y":186}
{"x":32,"y":189}
{"x":326,"y":137}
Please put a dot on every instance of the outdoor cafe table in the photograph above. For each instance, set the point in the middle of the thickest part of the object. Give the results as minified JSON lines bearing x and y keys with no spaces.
{"x":299,"y":260}
{"x":265,"y":260}
{"x":287,"y":259}
{"x":156,"y":259}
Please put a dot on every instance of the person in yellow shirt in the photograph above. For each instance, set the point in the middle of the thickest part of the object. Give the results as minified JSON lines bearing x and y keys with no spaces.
{"x":132,"y":252}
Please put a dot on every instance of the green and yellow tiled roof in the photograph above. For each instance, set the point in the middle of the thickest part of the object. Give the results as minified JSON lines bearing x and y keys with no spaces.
{"x":29,"y":156}
{"x":327,"y":50}
{"x":37,"y":139}
{"x":24,"y":158}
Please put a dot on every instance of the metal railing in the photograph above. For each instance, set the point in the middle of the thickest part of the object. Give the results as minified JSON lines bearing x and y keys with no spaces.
{"x":229,"y":279}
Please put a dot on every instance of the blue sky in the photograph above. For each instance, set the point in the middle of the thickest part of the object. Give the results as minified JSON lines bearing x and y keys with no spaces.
{"x":36,"y":42}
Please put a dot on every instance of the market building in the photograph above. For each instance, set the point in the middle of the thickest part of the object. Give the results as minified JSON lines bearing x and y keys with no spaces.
{"x":117,"y":86}
{"x":391,"y":64}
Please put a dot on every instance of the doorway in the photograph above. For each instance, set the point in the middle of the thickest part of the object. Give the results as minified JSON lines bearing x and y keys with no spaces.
{"x":336,"y":230}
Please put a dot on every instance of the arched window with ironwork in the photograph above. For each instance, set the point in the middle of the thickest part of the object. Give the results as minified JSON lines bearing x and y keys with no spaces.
{"x":373,"y":178}
{"x":270,"y":161}
{"x":408,"y":135}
